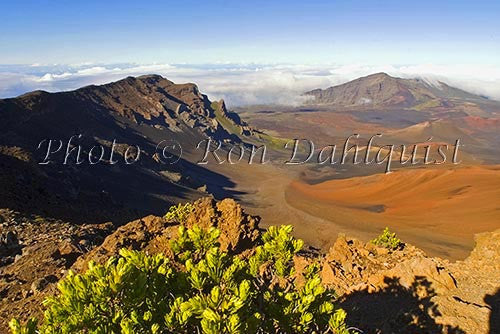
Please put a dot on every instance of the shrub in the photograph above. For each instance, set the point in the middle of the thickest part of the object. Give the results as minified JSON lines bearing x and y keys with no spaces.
{"x":200,"y":290}
{"x":388,"y":240}
{"x":179,"y":213}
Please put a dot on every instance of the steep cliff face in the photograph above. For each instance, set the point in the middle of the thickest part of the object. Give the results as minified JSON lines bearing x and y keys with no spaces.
{"x":230,"y":120}
{"x":150,"y":99}
{"x":138,"y":112}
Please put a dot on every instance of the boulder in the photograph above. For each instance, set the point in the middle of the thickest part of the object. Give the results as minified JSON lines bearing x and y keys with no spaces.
{"x":239,"y":231}
{"x":153,"y":234}
{"x":137,"y":235}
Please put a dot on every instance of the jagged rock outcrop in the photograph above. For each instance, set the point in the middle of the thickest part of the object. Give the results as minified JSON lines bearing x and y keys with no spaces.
{"x":239,"y":231}
{"x":230,"y":120}
{"x":352,"y":265}
{"x":405,"y":291}
{"x":383,"y":291}
{"x":140,"y":234}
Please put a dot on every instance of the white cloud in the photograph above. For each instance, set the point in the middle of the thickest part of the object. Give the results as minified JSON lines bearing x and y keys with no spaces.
{"x":241,"y":84}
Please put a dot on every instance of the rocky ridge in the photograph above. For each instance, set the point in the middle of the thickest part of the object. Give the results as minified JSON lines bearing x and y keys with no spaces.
{"x":148,"y":112}
{"x":383,"y":291}
{"x":405,"y":291}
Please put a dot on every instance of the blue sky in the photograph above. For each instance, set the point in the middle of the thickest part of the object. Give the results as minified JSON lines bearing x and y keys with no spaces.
{"x":248,"y":51}
{"x":368,"y":32}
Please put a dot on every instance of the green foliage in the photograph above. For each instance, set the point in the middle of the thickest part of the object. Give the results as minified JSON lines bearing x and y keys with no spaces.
{"x":278,"y":250}
{"x":428,"y":105}
{"x":194,"y":243}
{"x":388,"y":240}
{"x":200,"y":290}
{"x":223,"y":120}
{"x":276,"y":143}
{"x":17,"y":328}
{"x":179,"y":213}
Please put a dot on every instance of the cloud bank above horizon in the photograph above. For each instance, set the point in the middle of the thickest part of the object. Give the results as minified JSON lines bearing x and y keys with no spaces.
{"x":242,"y":84}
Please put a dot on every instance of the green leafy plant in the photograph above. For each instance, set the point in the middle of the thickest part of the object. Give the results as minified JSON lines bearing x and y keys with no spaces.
{"x":278,"y":250}
{"x":178,"y":213}
{"x":388,"y":240}
{"x":194,"y":243}
{"x":200,"y":289}
{"x":17,"y":328}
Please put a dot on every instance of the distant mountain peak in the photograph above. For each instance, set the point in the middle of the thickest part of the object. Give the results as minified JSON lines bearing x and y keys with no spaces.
{"x":149,"y":76}
{"x":378,"y":75}
{"x":381,"y":89}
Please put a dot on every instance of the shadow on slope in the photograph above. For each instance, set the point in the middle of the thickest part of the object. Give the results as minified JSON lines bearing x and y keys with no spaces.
{"x":493,"y":302}
{"x":396,"y":309}
{"x":100,"y":193}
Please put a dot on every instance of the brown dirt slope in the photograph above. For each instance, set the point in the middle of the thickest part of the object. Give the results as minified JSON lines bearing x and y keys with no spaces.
{"x":437,"y":209}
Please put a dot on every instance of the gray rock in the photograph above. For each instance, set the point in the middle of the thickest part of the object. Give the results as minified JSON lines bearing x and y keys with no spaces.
{"x":11,"y":239}
{"x":39,"y":285}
